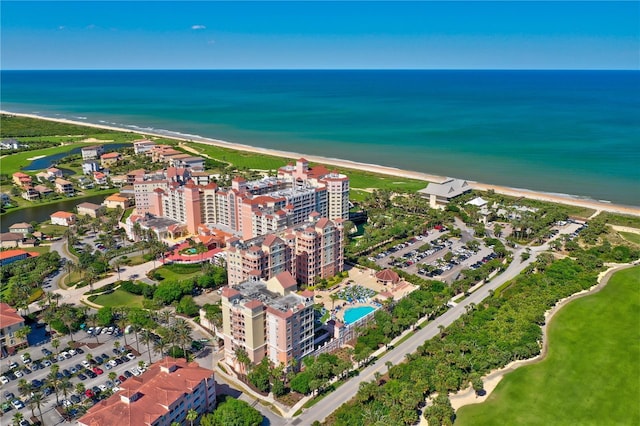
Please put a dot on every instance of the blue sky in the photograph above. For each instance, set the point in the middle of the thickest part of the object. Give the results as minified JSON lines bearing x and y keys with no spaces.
{"x":321,"y":34}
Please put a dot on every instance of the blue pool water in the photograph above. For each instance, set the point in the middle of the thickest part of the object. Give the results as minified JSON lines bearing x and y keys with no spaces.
{"x":352,"y":315}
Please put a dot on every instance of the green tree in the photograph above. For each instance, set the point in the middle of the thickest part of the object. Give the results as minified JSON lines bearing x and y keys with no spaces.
{"x":105,"y":316}
{"x":17,"y":418}
{"x":187,"y":306}
{"x":233,"y":412}
{"x":192,"y":415}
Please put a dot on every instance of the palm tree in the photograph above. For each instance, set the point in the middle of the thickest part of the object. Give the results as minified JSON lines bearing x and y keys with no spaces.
{"x":67,"y":315}
{"x":117,"y":345}
{"x":39,"y":399}
{"x":65,"y":386}
{"x":70,"y":267}
{"x":160,"y":346}
{"x":165,"y":316}
{"x":93,"y":320}
{"x":17,"y":418}
{"x":116,"y":266}
{"x":146,"y":338}
{"x":24,"y":388}
{"x":55,"y":344}
{"x":182,"y":334}
{"x":192,"y":415}
{"x":80,"y":388}
{"x":122,"y":323}
{"x":53,"y":381}
{"x":243,"y":358}
{"x":112,"y":375}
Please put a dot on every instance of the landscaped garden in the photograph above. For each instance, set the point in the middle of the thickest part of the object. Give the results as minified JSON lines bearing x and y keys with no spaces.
{"x":590,"y":374}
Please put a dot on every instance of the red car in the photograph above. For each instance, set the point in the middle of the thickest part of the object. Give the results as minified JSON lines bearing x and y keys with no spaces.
{"x":122,"y":378}
{"x":89,"y":393}
{"x":97,"y":370}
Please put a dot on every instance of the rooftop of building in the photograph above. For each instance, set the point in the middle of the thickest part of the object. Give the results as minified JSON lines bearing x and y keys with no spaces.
{"x":21,"y":225}
{"x":9,"y":316}
{"x":143,"y":399}
{"x":110,"y":155}
{"x":62,"y":214}
{"x":256,"y":290}
{"x":8,"y":254}
{"x":89,"y":206}
{"x":11,"y":236}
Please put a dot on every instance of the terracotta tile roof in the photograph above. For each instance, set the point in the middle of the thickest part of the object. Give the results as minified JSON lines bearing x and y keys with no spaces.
{"x":253,"y":304}
{"x":286,"y":280}
{"x":8,"y":254}
{"x":110,"y":155}
{"x":9,"y":316}
{"x":146,"y":398}
{"x":387,"y":275}
{"x":11,"y":236}
{"x":64,"y":215}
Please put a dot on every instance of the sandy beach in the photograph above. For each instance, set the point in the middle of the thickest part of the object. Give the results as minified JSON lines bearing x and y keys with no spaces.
{"x":385,"y":170}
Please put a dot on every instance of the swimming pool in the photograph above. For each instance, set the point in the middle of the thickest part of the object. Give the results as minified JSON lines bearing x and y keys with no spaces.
{"x":352,"y":315}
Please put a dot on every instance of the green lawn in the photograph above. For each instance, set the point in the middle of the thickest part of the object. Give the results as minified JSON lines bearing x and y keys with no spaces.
{"x":119,"y":298}
{"x":631,"y":237}
{"x":591,"y":375}
{"x":179,"y":272}
{"x":39,"y":249}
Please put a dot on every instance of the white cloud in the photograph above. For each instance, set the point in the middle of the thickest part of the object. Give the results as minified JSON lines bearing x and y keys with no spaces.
{"x":198,"y":27}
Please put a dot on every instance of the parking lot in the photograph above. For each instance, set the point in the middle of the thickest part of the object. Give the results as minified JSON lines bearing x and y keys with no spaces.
{"x":91,"y":367}
{"x":425,"y":255}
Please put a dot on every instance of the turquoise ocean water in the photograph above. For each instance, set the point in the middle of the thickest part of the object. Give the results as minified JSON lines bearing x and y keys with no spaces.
{"x":572,"y":132}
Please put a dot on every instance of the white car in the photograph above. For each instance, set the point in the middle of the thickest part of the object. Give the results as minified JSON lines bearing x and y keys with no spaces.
{"x":90,"y":330}
{"x":72,"y":352}
{"x":4,"y":380}
{"x":46,"y":363}
{"x":17,"y":404}
{"x":112,"y":363}
{"x":86,"y":364}
{"x":131,"y":356}
{"x":19,"y":374}
{"x":66,"y":403}
{"x":103,"y":387}
{"x":135,"y":371}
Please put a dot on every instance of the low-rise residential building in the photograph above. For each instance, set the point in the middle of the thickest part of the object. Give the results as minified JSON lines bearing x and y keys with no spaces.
{"x":267,"y":319}
{"x":162,"y":395}
{"x":92,"y":152}
{"x":45,"y":177}
{"x":44,"y":191}
{"x":143,"y":146}
{"x":21,"y":179}
{"x":30,"y":194}
{"x":84,"y":182}
{"x":90,"y":209}
{"x":63,"y":218}
{"x":90,"y":166}
{"x":55,"y":172}
{"x":11,"y":239}
{"x":21,"y":228}
{"x":110,"y":158}
{"x":100,"y":178}
{"x":135,"y":176}
{"x":10,"y":256}
{"x":10,"y":322}
{"x":65,"y":187}
{"x":116,"y":200}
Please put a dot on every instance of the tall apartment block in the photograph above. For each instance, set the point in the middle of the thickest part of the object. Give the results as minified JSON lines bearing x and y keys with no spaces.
{"x":309,"y":250}
{"x":267,"y":319}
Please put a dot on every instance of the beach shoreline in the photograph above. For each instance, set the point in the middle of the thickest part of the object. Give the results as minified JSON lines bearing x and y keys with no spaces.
{"x":372,"y":168}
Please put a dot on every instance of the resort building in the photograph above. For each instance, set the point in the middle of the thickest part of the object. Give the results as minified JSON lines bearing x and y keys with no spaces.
{"x":143,"y":146}
{"x":10,"y":256}
{"x":10,"y":322}
{"x":63,"y":218}
{"x":63,"y":186}
{"x":161,"y":396}
{"x":336,"y":184}
{"x":145,"y":192}
{"x":310,"y":251}
{"x":267,"y":319}
{"x":21,"y":228}
{"x":440,"y":194}
{"x":116,"y":200}
{"x":90,"y":209}
{"x":110,"y":158}
{"x":92,"y":152}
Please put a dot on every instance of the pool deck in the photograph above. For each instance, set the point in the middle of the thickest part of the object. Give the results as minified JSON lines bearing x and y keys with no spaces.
{"x":365,"y":278}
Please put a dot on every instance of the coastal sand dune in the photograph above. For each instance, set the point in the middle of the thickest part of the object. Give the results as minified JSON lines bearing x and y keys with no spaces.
{"x":374,"y":168}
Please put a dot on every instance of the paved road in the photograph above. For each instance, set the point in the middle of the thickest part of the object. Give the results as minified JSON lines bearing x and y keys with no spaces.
{"x":348,"y":390}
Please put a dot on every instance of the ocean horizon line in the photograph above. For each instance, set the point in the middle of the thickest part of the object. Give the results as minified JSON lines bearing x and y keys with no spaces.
{"x":632,"y":70}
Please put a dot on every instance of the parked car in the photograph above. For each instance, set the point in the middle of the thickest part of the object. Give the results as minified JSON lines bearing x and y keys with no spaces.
{"x":98,"y":370}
